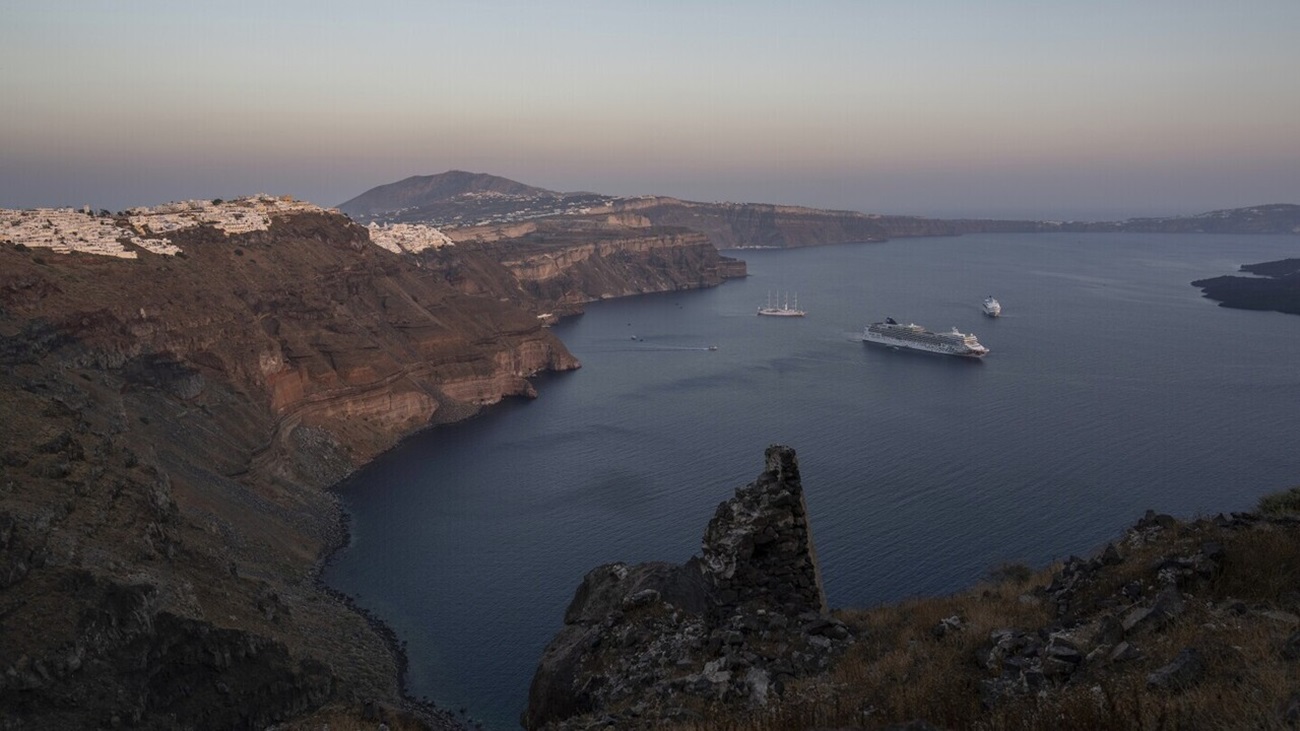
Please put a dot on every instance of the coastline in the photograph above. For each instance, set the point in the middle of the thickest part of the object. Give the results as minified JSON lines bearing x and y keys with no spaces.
{"x":425,"y":709}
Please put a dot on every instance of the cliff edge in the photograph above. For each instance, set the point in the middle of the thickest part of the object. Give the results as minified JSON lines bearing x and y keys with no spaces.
{"x":733,"y":624}
{"x":1175,"y":625}
{"x":169,"y":425}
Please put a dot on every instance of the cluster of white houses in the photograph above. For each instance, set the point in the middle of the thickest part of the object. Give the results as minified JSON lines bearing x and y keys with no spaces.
{"x":407,"y":237}
{"x":65,"y":230}
{"x":238,"y":216}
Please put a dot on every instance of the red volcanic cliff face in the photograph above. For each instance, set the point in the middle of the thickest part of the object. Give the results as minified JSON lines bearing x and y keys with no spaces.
{"x":166,"y":427}
{"x":309,"y":319}
{"x":558,"y":265}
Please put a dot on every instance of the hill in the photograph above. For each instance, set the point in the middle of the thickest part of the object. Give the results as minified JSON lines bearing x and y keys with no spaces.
{"x":457,"y":197}
{"x":458,"y":200}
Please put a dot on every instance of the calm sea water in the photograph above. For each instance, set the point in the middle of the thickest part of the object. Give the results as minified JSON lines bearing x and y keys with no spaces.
{"x":1112,"y":387}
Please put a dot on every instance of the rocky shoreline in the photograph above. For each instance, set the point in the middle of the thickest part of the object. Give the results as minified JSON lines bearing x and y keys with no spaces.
{"x":425,"y":711}
{"x":1274,"y":286}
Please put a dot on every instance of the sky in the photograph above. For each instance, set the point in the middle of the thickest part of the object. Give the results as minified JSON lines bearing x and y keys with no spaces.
{"x":1028,"y":109}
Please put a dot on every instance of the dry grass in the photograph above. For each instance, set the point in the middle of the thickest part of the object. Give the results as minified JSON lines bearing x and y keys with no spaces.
{"x":898,"y":671}
{"x":1281,"y":503}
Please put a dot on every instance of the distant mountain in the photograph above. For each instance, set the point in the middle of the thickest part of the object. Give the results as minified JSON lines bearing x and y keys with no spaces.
{"x":457,"y":198}
{"x":420,"y":191}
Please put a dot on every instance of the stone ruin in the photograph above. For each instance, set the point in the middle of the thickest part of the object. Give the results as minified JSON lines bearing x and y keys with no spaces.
{"x":759,"y":549}
{"x":733,"y":624}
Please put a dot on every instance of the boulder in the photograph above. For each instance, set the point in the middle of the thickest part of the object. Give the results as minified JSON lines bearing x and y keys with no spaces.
{"x":756,"y":586}
{"x":1186,"y":669}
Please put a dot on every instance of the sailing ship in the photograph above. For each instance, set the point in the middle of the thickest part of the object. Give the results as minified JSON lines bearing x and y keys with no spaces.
{"x":782,"y":310}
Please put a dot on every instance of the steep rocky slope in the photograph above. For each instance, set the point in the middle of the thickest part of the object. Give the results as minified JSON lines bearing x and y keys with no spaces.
{"x":559,"y":265}
{"x":168,"y":425}
{"x":1175,"y":625}
{"x":642,"y":644}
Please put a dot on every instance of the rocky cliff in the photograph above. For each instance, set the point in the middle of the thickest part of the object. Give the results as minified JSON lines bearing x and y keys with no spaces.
{"x":644,"y":644}
{"x":557,"y":266}
{"x":168,"y":424}
{"x":1175,"y":625}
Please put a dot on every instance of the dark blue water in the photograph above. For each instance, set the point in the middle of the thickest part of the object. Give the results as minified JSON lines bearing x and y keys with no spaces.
{"x":1112,"y":387}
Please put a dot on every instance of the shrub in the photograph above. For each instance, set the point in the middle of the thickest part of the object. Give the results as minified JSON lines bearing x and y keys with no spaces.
{"x":1287,"y":501}
{"x":1017,"y":573}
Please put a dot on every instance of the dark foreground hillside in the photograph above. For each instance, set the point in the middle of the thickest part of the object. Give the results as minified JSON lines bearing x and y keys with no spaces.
{"x":1176,"y":624}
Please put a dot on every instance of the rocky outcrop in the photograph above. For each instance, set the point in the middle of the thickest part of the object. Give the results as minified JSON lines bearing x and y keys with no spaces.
{"x":758,"y":548}
{"x":1274,"y":286}
{"x":641,"y":644}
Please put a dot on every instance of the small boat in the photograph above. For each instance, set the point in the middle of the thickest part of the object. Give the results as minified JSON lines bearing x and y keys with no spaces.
{"x":784,"y":310}
{"x":992,"y":307}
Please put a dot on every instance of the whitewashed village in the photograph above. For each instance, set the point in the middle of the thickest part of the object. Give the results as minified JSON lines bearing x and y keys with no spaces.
{"x":67,"y":230}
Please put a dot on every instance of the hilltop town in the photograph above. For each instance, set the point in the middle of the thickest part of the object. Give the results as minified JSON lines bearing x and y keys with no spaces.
{"x":67,"y":230}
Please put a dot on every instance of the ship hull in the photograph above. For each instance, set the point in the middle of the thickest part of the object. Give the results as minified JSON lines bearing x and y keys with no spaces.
{"x":920,"y":348}
{"x":915,"y":338}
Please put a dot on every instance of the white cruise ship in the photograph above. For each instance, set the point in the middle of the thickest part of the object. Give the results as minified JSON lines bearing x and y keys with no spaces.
{"x":915,"y":337}
{"x":992,"y":307}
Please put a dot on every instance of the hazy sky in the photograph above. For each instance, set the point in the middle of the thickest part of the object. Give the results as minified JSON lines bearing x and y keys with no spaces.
{"x":1033,"y":109}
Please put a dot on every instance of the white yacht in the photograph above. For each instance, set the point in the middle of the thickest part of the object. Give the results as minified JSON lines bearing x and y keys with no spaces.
{"x":992,"y":307}
{"x":784,"y":310}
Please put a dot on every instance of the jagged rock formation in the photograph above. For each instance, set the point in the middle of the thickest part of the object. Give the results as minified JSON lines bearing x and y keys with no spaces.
{"x":168,"y":424}
{"x":641,"y":643}
{"x":759,"y":549}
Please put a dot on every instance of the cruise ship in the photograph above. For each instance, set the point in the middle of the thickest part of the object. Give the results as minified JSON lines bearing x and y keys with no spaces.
{"x":915,"y":337}
{"x":992,"y":307}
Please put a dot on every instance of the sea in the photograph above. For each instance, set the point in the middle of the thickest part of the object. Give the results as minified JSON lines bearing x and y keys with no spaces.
{"x":1112,"y":387}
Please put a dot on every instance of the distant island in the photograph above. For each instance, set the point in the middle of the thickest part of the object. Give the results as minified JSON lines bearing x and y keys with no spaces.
{"x":480,"y":205}
{"x":1275,"y":286}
